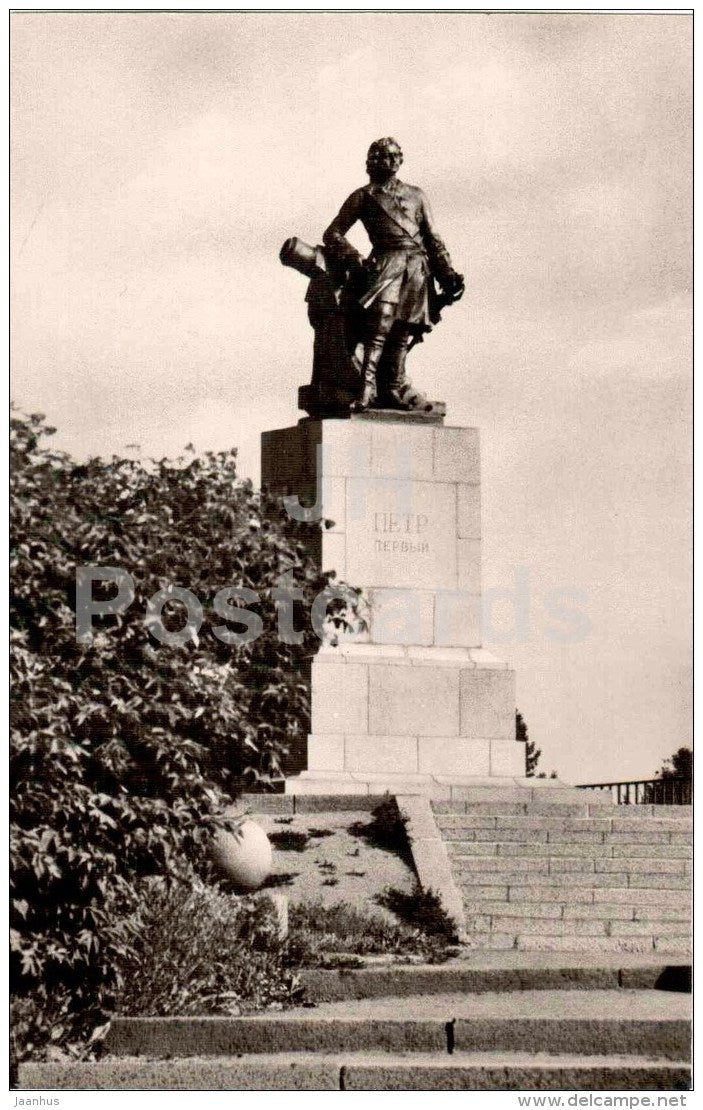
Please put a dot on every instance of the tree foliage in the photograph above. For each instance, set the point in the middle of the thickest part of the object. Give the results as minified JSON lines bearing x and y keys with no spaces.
{"x":678,"y":766}
{"x":124,"y":751}
{"x":532,"y":752}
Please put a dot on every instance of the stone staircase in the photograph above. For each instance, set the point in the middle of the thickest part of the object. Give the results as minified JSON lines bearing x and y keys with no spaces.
{"x":571,"y":976}
{"x":575,"y":876}
{"x":495,"y":1022}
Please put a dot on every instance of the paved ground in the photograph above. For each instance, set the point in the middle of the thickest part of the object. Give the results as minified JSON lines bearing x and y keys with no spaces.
{"x":634,"y":1005}
{"x":510,"y":960}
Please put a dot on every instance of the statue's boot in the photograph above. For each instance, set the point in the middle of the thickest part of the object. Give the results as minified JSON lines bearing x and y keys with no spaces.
{"x":396,"y":386}
{"x":381,"y":324}
{"x":372,"y":357}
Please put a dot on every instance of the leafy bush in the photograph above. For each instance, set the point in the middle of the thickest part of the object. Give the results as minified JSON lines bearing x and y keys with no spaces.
{"x":124,"y":751}
{"x":201,"y":951}
{"x":386,"y":829}
{"x":318,"y":932}
{"x":422,"y":909}
{"x":289,"y":841}
{"x":194,"y":950}
{"x":53,"y":1008}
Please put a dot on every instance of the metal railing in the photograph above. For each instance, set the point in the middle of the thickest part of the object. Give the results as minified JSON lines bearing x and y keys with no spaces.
{"x":638,"y":792}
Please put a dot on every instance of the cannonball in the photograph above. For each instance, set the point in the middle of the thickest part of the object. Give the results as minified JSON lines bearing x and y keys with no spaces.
{"x":243,"y":856}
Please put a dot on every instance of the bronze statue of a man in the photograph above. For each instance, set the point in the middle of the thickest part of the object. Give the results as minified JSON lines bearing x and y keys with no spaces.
{"x":394,"y":287}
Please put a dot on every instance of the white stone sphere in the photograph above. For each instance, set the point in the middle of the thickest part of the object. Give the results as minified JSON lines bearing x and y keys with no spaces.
{"x":244,"y":856}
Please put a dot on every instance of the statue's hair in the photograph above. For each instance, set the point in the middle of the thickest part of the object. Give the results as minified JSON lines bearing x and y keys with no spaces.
{"x":383,"y":145}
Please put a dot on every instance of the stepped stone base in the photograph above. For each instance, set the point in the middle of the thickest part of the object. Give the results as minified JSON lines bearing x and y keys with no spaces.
{"x":451,"y":788}
{"x":393,"y":508}
{"x":409,"y":719}
{"x":367,"y":782}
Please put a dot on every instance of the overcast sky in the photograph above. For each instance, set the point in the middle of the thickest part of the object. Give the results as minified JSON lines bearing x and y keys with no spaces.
{"x":160,"y":160}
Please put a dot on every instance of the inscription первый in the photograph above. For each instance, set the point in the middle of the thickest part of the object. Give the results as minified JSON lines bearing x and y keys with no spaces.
{"x":401,"y":546}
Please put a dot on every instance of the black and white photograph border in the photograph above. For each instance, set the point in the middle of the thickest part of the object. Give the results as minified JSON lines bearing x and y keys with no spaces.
{"x":350,"y":476}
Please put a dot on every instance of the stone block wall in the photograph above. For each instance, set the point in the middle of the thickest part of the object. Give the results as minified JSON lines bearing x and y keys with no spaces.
{"x":399,"y":512}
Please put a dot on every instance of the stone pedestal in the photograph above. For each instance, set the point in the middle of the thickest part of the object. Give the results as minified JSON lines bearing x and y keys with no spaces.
{"x":414,"y":701}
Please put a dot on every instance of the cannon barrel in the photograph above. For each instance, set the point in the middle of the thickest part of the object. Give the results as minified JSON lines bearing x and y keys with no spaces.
{"x":302,"y":257}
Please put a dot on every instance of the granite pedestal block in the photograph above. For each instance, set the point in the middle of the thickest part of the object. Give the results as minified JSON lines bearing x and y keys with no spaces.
{"x":398,"y":511}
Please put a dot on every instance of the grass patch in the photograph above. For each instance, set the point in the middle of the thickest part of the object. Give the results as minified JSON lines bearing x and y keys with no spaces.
{"x":280,"y":878}
{"x":338,"y":961}
{"x":289,"y":841}
{"x":316,"y":931}
{"x":200,"y":950}
{"x":325,"y":865}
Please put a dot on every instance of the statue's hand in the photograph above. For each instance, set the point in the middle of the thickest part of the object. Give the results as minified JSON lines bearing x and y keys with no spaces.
{"x":357,"y":276}
{"x":453,"y":286}
{"x":357,"y":266}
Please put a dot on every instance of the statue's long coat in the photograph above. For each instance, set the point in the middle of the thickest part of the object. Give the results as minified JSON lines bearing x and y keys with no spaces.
{"x":407,"y":251}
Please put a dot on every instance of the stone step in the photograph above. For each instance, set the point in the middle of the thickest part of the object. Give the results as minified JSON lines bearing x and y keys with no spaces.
{"x":659,"y":843}
{"x":557,"y":862}
{"x":682,"y":911}
{"x":599,"y":850}
{"x":451,"y":823}
{"x":644,"y":1023}
{"x":644,"y":946}
{"x":637,"y":812}
{"x":564,"y":841}
{"x":467,"y":875}
{"x":474,"y":976}
{"x":518,"y":809}
{"x":571,"y":944}
{"x":290,"y":804}
{"x":455,"y":807}
{"x":568,"y":895}
{"x":365,"y":1071}
{"x":496,"y":1071}
{"x":574,"y":942}
{"x":654,"y":851}
{"x":571,"y":926}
